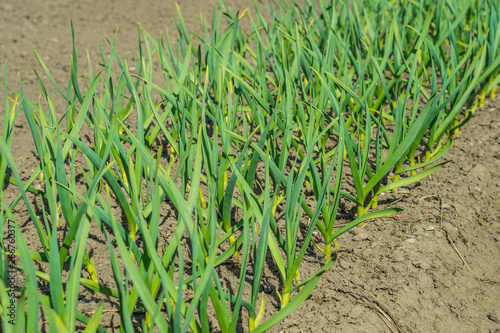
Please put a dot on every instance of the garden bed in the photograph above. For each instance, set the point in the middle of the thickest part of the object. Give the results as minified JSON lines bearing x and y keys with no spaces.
{"x":430,"y":268}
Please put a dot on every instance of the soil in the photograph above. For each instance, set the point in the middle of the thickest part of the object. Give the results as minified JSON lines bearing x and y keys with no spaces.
{"x":435,"y":267}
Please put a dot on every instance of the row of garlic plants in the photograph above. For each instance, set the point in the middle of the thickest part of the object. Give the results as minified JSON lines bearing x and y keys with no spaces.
{"x":251,"y":135}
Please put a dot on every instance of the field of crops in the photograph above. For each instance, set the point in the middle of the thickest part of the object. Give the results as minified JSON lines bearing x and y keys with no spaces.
{"x":243,"y":144}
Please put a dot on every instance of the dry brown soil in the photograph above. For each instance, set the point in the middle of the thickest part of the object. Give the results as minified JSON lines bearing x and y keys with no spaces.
{"x":435,"y":267}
